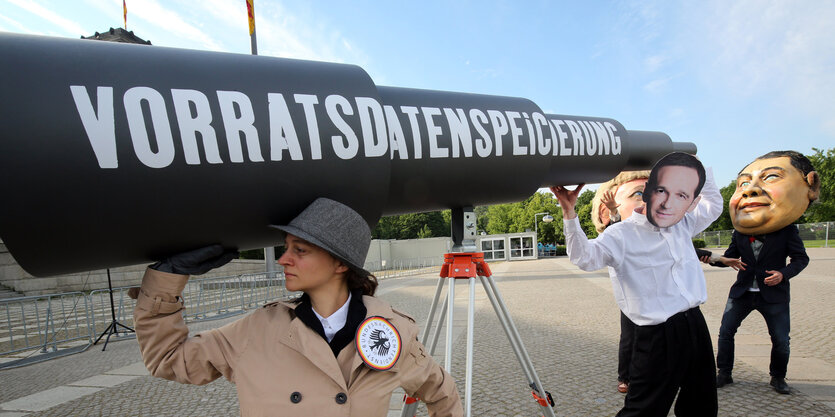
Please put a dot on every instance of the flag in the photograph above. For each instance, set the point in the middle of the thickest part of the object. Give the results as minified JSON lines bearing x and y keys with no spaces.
{"x":250,"y":11}
{"x":125,"y":13}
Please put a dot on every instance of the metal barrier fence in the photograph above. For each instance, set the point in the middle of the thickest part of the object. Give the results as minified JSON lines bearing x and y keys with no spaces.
{"x":814,"y":235}
{"x":404,"y":267}
{"x":551,"y":252}
{"x":216,"y":298}
{"x":43,"y":323}
{"x":37,"y":328}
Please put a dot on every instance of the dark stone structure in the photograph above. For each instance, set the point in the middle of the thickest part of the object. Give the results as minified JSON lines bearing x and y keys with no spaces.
{"x":118,"y":35}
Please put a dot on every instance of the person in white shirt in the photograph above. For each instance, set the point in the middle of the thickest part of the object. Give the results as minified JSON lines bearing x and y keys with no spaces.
{"x":614,"y":201}
{"x":659,"y":285}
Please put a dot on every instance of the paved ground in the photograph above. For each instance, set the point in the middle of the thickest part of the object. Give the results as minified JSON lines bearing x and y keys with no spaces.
{"x":567,"y":319}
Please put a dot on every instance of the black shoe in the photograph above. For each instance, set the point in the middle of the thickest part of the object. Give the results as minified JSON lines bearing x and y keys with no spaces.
{"x":780,"y":385}
{"x":723,"y":379}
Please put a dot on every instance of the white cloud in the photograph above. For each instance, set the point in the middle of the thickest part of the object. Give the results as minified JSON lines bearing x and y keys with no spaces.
{"x":11,"y":25}
{"x":288,"y":34}
{"x":657,"y":85}
{"x":155,"y":14}
{"x":64,"y":24}
{"x":221,"y":25}
{"x":485,"y":73}
{"x":653,"y":63}
{"x":780,"y":53}
{"x":303,"y":36}
{"x":233,"y":14}
{"x":780,"y":49}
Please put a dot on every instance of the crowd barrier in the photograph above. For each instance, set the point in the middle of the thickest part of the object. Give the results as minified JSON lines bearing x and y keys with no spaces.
{"x":814,"y":235}
{"x":404,"y":267}
{"x":36,"y":328}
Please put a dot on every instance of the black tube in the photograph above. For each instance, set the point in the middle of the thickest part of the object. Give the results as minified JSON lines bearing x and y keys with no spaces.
{"x":116,"y":154}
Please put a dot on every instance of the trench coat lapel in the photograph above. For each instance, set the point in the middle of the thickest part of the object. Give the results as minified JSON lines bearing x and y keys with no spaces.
{"x":310,"y":345}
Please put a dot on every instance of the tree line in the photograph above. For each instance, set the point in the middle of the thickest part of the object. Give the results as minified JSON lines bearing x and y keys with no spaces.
{"x":519,"y":217}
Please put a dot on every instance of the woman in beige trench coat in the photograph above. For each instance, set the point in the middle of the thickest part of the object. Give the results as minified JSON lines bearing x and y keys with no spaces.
{"x":335,"y":351}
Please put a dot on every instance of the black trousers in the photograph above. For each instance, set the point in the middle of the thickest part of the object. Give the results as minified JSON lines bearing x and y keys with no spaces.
{"x":625,"y":347}
{"x":674,"y":357}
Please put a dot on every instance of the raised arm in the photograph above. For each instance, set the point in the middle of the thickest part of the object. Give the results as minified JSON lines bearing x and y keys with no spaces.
{"x":710,"y":205}
{"x":567,"y":199}
{"x":587,"y":255}
{"x":166,"y":349}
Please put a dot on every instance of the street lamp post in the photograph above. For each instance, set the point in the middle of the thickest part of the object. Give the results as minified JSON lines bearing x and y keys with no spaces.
{"x":547,"y":219}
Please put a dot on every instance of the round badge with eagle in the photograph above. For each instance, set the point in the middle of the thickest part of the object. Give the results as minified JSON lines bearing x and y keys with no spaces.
{"x":378,"y":343}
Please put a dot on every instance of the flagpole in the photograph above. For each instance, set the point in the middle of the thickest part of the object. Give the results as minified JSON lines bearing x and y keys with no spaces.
{"x":250,"y":9}
{"x":269,"y":252}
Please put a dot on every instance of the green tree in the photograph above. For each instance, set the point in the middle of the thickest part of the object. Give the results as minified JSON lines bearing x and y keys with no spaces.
{"x":583,"y":209}
{"x":724,"y":220}
{"x":387,"y":228}
{"x":481,"y":217}
{"x":824,"y":209}
{"x":425,"y":232}
{"x":498,"y":218}
{"x":519,"y":217}
{"x":409,"y":226}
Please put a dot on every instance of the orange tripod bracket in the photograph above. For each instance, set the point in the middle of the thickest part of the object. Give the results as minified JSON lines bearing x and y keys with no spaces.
{"x":460,"y":265}
{"x":543,"y":402}
{"x":408,"y":400}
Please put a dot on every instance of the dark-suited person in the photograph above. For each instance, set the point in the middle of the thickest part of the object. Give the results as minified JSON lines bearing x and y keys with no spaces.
{"x":772,"y":192}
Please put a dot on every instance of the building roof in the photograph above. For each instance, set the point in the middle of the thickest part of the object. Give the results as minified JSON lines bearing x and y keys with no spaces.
{"x":118,"y":35}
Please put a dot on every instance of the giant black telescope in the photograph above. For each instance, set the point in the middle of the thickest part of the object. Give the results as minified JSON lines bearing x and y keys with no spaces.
{"x":115,"y":154}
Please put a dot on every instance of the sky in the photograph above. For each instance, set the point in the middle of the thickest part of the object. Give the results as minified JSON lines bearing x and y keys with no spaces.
{"x":737,"y":78}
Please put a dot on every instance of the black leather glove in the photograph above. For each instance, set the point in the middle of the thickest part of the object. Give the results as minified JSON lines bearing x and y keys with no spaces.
{"x":196,"y":262}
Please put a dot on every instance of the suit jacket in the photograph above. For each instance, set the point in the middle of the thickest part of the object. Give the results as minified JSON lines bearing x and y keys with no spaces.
{"x":777,"y":246}
{"x":274,"y":358}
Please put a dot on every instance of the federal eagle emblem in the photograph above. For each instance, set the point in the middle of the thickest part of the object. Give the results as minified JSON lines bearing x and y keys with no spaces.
{"x":378,"y":343}
{"x":381,"y":342}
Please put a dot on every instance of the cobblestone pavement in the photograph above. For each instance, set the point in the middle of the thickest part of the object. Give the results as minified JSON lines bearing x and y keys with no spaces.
{"x":568,"y":321}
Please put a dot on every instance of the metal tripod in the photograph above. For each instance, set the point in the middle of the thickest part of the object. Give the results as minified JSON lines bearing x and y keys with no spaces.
{"x":114,"y":325}
{"x":469,"y":265}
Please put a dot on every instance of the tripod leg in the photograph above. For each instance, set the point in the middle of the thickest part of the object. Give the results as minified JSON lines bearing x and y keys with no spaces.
{"x":432,"y":308}
{"x":468,"y":393}
{"x":127,"y":329}
{"x":437,"y":335}
{"x":506,"y":327}
{"x":109,"y":333}
{"x":106,"y":331}
{"x":512,"y":333}
{"x":449,"y":326}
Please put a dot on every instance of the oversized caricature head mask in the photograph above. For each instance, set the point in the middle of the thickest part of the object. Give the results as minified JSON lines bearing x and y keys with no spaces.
{"x":673,"y":188}
{"x":628,"y":189}
{"x":773,"y":192}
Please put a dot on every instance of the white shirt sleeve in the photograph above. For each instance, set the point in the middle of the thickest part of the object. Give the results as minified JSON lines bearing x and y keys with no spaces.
{"x":588,"y":255}
{"x":709,"y":207}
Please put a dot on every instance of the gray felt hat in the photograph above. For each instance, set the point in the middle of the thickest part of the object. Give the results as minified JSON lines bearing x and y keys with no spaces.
{"x":335,"y":228}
